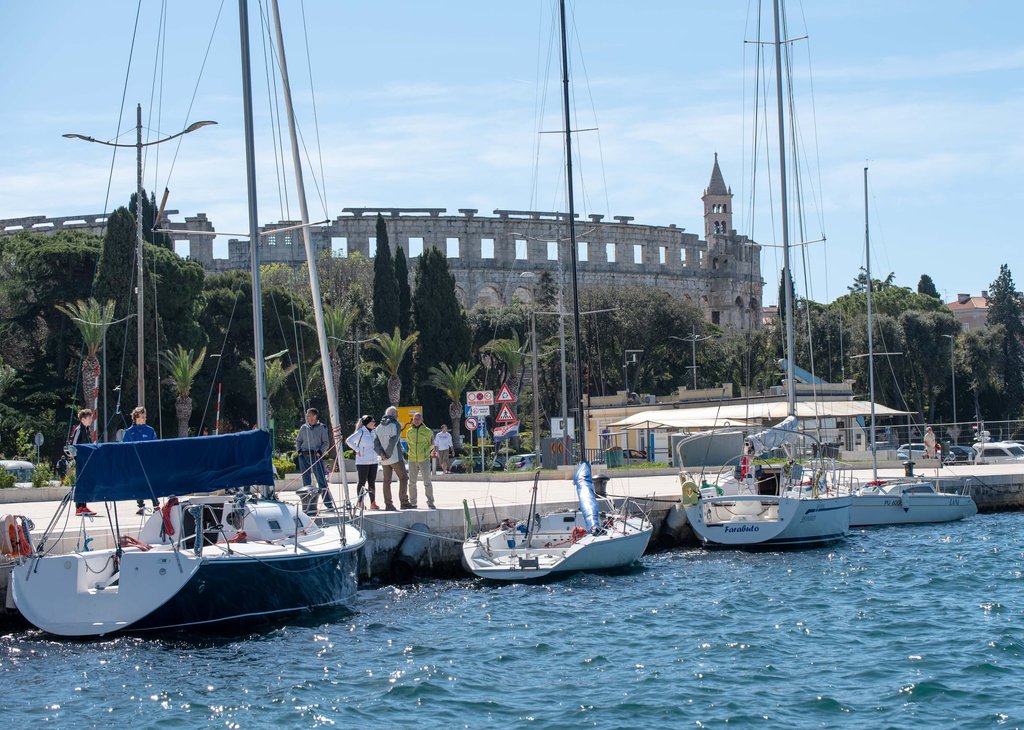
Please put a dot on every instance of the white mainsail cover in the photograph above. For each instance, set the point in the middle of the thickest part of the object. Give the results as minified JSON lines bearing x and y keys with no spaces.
{"x":771,"y":438}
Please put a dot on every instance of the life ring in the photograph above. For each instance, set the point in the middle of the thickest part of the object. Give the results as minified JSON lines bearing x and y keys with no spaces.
{"x":128,"y":541}
{"x":690,"y":493}
{"x":165,"y":513}
{"x":578,"y":533}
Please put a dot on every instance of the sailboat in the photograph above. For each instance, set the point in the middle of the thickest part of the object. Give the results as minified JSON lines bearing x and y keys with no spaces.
{"x":766,"y":506}
{"x":207,"y":560}
{"x":560,"y":543}
{"x":906,"y":500}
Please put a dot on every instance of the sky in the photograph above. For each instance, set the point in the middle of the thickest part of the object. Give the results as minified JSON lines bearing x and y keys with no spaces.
{"x":457,"y":104}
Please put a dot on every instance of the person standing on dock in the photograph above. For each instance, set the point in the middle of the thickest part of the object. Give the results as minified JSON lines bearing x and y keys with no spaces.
{"x":82,"y":434}
{"x":311,"y":443}
{"x":361,"y":442}
{"x":421,"y":443}
{"x":140,"y":431}
{"x":443,"y":446}
{"x":388,"y":445}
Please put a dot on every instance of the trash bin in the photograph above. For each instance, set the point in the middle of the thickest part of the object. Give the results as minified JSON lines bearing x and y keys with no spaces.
{"x":908,"y":468}
{"x":601,"y":484}
{"x":613,"y":457}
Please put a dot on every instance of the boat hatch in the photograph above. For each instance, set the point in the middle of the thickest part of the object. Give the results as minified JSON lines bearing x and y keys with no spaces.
{"x":274,"y":525}
{"x":529,"y":562}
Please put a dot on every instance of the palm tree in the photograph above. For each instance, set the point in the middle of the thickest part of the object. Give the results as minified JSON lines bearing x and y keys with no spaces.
{"x":453,"y":383}
{"x":511,"y":352}
{"x":338,"y":323}
{"x":392,"y":349}
{"x":182,"y":366}
{"x":275,"y":376}
{"x":91,"y":318}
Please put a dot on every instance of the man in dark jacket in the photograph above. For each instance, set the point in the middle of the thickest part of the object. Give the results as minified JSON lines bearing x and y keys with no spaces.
{"x":312,"y":442}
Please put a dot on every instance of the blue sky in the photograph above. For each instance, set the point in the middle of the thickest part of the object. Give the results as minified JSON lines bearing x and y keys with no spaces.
{"x":440,"y":104}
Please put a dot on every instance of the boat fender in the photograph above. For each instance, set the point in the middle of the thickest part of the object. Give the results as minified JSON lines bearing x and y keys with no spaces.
{"x":411,"y":551}
{"x":128,"y":541}
{"x":578,"y":533}
{"x":15,"y":537}
{"x":167,"y":529}
{"x":6,"y":548}
{"x":690,"y":493}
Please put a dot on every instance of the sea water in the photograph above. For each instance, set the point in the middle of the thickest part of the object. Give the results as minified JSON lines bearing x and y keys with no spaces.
{"x":895,"y":627}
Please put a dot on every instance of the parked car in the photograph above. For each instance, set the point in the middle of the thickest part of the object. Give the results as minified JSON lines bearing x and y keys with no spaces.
{"x":522,"y":462}
{"x":910,"y":452}
{"x":957,"y":454}
{"x":999,"y":452}
{"x":457,"y":466}
{"x":634,"y":456}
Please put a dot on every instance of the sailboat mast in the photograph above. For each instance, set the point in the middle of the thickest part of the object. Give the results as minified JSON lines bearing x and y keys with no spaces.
{"x":580,"y":412}
{"x":140,"y":287}
{"x":871,"y":340}
{"x":314,"y":274}
{"x":254,"y":226}
{"x":786,"y":273}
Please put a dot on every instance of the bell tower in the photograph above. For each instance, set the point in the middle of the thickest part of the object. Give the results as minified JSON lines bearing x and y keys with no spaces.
{"x":717,"y":206}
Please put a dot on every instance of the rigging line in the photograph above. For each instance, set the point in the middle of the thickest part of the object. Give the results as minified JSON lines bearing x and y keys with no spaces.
{"x":158,"y":56}
{"x":277,"y":136}
{"x":296,"y":373}
{"x":223,"y":347}
{"x":195,"y":92}
{"x":540,"y":104}
{"x":156,"y":328}
{"x":316,"y":119}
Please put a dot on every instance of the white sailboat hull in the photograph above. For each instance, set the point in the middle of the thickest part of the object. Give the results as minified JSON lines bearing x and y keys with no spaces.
{"x":511,"y":555}
{"x":769,"y":521}
{"x":889,"y":509}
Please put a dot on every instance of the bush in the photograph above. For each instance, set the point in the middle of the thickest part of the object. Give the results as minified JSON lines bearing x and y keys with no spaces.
{"x":42,"y":475}
{"x":282,"y":465}
{"x":6,"y":480}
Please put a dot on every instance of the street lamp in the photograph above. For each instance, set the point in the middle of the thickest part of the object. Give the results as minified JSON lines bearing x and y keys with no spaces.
{"x":626,"y":362}
{"x":357,"y":342}
{"x":693,"y":339}
{"x":138,"y":220}
{"x":952,"y":372}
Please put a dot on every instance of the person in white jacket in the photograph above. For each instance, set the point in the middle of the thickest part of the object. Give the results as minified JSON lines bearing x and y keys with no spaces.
{"x":361,"y":442}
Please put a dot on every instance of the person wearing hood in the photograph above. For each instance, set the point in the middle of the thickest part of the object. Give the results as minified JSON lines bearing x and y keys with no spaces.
{"x":388,"y":445}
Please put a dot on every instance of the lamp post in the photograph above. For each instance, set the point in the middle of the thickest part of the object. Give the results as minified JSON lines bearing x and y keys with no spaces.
{"x":626,"y":362}
{"x":357,"y":342}
{"x":693,"y":339}
{"x":139,"y":144}
{"x":952,"y":373}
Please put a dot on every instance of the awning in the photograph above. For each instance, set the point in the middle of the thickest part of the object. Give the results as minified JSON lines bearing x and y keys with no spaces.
{"x":740,"y":414}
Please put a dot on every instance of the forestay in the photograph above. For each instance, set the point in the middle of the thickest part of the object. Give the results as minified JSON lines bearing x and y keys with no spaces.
{"x":145,"y":469}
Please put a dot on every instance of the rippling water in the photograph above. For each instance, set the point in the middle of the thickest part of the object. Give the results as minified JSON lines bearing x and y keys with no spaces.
{"x":897,"y":627}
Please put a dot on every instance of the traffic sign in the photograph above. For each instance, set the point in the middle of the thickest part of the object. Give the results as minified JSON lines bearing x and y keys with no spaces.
{"x":471,"y":424}
{"x":480,"y":397}
{"x":505,"y":414}
{"x":505,"y":395}
{"x":479,"y":410}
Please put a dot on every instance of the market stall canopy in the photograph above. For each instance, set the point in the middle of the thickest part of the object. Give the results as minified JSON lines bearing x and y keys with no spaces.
{"x":742,"y":414}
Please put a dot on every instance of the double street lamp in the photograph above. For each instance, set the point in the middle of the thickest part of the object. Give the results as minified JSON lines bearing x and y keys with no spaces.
{"x":693,"y":339}
{"x":139,"y":144}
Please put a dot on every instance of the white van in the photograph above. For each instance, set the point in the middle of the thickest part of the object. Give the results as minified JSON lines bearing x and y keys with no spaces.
{"x":998,"y":452}
{"x":22,"y":471}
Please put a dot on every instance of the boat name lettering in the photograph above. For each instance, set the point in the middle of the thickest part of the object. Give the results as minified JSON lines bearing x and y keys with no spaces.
{"x":744,"y":528}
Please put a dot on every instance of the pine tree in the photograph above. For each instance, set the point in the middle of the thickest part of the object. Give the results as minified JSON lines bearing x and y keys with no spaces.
{"x":444,"y":336}
{"x":1006,"y":308}
{"x":385,"y":287}
{"x":927,"y":286}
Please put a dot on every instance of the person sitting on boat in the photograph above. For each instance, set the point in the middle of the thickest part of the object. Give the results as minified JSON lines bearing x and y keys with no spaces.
{"x":361,"y":442}
{"x":388,"y":445}
{"x":311,"y":443}
{"x":140,"y":431}
{"x":82,"y":434}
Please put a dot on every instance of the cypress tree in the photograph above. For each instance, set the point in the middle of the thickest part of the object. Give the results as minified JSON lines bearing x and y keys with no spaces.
{"x":148,"y":220}
{"x":444,"y":336}
{"x":1006,"y":308}
{"x":385,"y":286}
{"x":926,"y":286}
{"x":404,"y":292}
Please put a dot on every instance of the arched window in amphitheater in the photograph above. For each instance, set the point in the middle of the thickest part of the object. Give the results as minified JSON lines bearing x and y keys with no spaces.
{"x":488,"y":296}
{"x":522,"y":294}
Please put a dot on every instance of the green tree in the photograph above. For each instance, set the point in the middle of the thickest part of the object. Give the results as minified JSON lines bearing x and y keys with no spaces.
{"x":392,"y":350}
{"x":182,"y":366}
{"x":927,"y":287}
{"x":439,"y":319}
{"x":149,"y":212}
{"x":338,"y":326}
{"x":386,"y":304}
{"x":453,"y":383}
{"x":404,"y":292}
{"x":1006,"y":308}
{"x":511,"y":352}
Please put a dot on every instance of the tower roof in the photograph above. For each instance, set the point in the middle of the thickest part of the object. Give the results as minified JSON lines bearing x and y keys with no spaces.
{"x":717,"y":184}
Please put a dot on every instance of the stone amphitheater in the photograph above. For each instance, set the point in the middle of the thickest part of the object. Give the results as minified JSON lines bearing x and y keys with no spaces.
{"x":488,"y":254}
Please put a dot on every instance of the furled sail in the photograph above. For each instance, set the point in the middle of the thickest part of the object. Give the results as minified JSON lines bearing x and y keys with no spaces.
{"x":772,"y":438}
{"x":584,"y":481}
